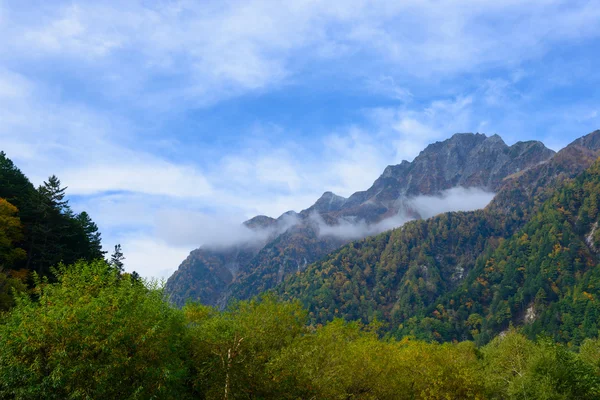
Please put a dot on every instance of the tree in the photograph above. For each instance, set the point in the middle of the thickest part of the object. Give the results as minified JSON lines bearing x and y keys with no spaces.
{"x":92,"y":235}
{"x":51,"y":232}
{"x":116,"y":259}
{"x":10,"y":282}
{"x":93,"y":334}
{"x":231,"y":350}
{"x":55,"y":194}
{"x":11,"y":233}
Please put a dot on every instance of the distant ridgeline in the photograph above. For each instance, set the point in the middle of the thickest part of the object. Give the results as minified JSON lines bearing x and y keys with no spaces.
{"x":38,"y":230}
{"x":527,"y":259}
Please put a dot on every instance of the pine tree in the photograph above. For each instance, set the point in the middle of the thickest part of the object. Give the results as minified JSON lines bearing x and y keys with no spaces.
{"x":116,"y":259}
{"x":93,"y":236}
{"x":55,"y":194}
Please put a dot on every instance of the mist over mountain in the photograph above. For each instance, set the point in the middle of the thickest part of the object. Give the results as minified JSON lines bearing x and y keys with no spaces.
{"x":459,"y":174}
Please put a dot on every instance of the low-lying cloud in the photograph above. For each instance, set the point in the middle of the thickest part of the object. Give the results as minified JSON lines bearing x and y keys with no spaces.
{"x":349,"y":230}
{"x":455,"y":199}
{"x":196,"y":229}
{"x":216,"y":231}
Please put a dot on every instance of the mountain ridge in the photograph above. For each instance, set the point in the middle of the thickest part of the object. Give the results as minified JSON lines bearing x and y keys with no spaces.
{"x":424,"y":278}
{"x":464,"y":160}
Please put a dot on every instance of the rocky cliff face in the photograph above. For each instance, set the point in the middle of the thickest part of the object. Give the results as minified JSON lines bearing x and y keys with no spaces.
{"x":467,"y":160}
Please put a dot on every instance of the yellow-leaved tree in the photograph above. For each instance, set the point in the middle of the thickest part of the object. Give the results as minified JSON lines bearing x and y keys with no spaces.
{"x":11,"y":233}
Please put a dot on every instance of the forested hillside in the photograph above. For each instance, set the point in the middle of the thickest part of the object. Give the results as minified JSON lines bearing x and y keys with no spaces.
{"x":38,"y":230}
{"x":545,"y":277}
{"x":430,"y":278}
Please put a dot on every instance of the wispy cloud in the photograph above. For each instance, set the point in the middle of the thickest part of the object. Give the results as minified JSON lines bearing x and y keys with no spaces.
{"x":203,"y":52}
{"x":101,"y":92}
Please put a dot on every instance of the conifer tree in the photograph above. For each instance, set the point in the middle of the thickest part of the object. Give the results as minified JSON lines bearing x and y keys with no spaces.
{"x":93,"y":236}
{"x":116,"y":259}
{"x":55,"y":194}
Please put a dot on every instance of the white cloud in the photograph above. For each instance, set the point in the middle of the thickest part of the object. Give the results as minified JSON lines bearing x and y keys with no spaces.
{"x":349,"y":230}
{"x":197,"y":229}
{"x":455,"y":199}
{"x":387,"y":86}
{"x":67,"y":32}
{"x":13,"y":86}
{"x":156,"y":57}
{"x":151,"y":257}
{"x":214,"y":50}
{"x":155,"y":177}
{"x":412,"y":129}
{"x":353,"y":160}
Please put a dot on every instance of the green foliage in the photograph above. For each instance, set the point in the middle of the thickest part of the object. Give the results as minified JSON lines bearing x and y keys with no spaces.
{"x":231,"y":350}
{"x":518,"y":368}
{"x":544,"y":277}
{"x":395,"y":275}
{"x":11,"y":282}
{"x":93,"y":334}
{"x":11,"y":233}
{"x":96,"y":333}
{"x":344,"y":360}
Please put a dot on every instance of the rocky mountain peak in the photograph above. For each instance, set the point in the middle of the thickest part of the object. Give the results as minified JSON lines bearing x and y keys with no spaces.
{"x":328,"y":202}
{"x":465,"y":159}
{"x":260,"y":222}
{"x":459,"y":142}
{"x":493,"y":141}
{"x":590,"y":141}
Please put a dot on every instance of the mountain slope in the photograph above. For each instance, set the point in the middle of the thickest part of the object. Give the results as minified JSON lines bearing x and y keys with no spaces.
{"x":545,"y":277}
{"x":406,"y":277}
{"x":464,"y":160}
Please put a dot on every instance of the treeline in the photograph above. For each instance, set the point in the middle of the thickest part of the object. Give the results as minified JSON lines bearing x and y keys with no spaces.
{"x":38,"y":230}
{"x":97,"y":333}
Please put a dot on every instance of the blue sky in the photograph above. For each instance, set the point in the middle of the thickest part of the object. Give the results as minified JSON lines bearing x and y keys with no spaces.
{"x":171,"y":121}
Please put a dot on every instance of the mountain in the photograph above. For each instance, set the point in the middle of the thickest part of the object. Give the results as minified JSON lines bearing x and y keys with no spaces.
{"x":529,"y":258}
{"x":286,"y":245}
{"x":465,"y":160}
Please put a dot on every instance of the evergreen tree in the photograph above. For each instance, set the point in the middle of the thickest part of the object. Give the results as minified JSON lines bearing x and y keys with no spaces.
{"x":55,"y":194}
{"x":51,"y":232}
{"x":116,"y":259}
{"x":93,"y":236}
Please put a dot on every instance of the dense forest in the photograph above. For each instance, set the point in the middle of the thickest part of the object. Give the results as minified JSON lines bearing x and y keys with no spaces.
{"x":38,"y":230}
{"x":99,"y":334}
{"x":494,"y":304}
